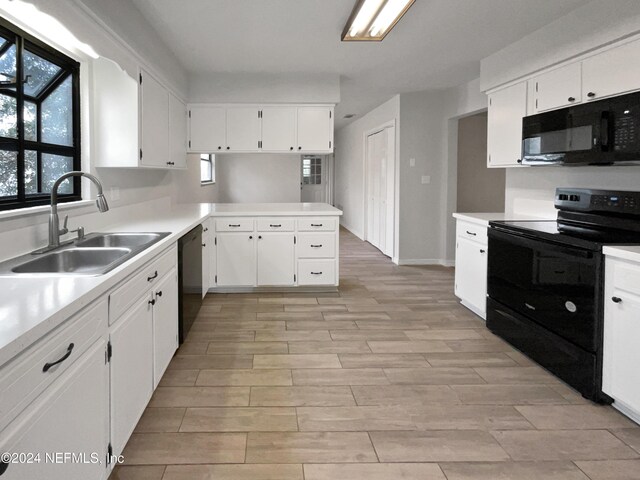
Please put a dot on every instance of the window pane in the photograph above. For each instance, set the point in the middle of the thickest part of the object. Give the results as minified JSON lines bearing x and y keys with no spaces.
{"x":8,"y":67}
{"x":38,"y":72}
{"x":52,"y":167}
{"x":30,"y":172}
{"x":205,"y":171}
{"x":30,"y":121}
{"x":8,"y":173}
{"x":57,"y":115}
{"x":8,"y":117}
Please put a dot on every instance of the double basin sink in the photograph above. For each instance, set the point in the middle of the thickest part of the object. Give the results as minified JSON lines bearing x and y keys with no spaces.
{"x":95,"y":254}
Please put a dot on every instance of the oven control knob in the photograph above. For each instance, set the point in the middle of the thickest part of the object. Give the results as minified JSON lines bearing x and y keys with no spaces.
{"x":571,"y":307}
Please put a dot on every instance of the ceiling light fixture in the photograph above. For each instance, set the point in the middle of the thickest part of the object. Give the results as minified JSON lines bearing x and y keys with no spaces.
{"x":372,"y":20}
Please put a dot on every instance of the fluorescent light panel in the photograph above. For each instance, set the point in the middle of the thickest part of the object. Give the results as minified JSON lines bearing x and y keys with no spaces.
{"x":372,"y":20}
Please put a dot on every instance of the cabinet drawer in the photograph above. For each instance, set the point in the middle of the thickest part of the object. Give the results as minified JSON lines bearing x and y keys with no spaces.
{"x":325,"y":224}
{"x":132,"y":289}
{"x":24,"y":378}
{"x":317,"y":245}
{"x":234,"y":225}
{"x":472,"y":231}
{"x":316,"y":272}
{"x":275,"y":224}
{"x":626,"y":276}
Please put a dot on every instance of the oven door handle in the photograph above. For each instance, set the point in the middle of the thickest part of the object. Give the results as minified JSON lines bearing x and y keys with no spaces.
{"x":537,"y":243}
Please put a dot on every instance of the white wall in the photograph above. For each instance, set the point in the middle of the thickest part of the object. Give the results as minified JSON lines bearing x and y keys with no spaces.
{"x":586,"y":28}
{"x":187,"y":187}
{"x":349,"y":162}
{"x":255,"y":178}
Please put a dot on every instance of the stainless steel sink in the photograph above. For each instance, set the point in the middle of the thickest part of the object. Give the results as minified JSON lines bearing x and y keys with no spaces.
{"x":119,"y":240}
{"x":95,"y":254}
{"x":86,"y":261}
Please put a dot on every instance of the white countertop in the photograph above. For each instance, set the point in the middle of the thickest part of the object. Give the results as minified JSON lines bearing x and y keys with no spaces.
{"x":32,"y":305}
{"x":631,"y":253}
{"x":273,"y":209}
{"x":485,"y":218}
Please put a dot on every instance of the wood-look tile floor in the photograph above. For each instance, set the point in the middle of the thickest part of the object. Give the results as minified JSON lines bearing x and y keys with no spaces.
{"x":389,"y":378}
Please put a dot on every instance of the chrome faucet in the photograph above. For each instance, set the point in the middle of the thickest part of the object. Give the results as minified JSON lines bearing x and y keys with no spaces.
{"x":54,"y":223}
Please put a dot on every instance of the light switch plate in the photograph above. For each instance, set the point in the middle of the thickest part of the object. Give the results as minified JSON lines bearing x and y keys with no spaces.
{"x":426,"y":179}
{"x":114,"y":193}
{"x":412,"y":162}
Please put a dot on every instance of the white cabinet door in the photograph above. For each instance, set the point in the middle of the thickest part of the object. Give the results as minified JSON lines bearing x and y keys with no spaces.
{"x":559,"y":88}
{"x":207,"y":128}
{"x":131,"y":370}
{"x":504,"y":125}
{"x":165,"y":323}
{"x":243,"y":129}
{"x":154,"y":101}
{"x":207,"y":253}
{"x":279,"y":129}
{"x":236,"y":259}
{"x":611,"y":72}
{"x":115,"y":116}
{"x":471,"y":274}
{"x":315,"y":129}
{"x":276,"y":259}
{"x":177,"y":132}
{"x":72,"y":415}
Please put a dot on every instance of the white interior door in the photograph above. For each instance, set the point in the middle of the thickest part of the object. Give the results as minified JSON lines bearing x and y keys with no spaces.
{"x":378,"y":150}
{"x":313,"y":179}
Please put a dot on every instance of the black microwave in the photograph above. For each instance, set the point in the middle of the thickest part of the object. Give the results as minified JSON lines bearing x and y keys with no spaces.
{"x":601,"y":132}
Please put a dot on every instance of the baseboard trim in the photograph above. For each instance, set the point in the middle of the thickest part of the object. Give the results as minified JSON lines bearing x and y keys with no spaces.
{"x":425,"y":261}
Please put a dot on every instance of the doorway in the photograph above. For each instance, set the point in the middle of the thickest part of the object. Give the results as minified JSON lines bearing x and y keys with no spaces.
{"x":314,"y":179}
{"x":380,"y":189}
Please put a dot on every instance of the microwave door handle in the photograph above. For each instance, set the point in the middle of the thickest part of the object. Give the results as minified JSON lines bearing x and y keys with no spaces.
{"x":604,"y":131}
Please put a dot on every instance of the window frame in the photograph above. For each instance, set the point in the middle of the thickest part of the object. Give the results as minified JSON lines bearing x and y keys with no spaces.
{"x":68,"y":68}
{"x":314,"y":178}
{"x":212,"y":168}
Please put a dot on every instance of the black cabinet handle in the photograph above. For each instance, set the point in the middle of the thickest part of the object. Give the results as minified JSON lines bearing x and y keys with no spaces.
{"x":250,"y":237}
{"x":316,"y":224}
{"x":290,"y":148}
{"x":228,"y":148}
{"x":616,"y":299}
{"x":591,"y":94}
{"x":259,"y":237}
{"x":171,"y":163}
{"x":471,"y":233}
{"x":275,"y":226}
{"x":154,"y":276}
{"x":47,"y":366}
{"x":299,"y":148}
{"x":482,"y":251}
{"x":219,"y":148}
{"x":204,"y":244}
{"x":316,"y":273}
{"x":159,"y":294}
{"x":3,"y":467}
{"x":571,"y":99}
{"x":152,"y":302}
{"x":315,"y":246}
{"x":234,"y":225}
{"x":518,"y":160}
{"x":205,"y":230}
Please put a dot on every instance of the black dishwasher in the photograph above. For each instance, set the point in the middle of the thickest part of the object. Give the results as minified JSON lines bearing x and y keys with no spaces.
{"x":189,"y":279}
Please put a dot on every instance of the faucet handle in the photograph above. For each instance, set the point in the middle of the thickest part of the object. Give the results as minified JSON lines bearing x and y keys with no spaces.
{"x":64,"y":228}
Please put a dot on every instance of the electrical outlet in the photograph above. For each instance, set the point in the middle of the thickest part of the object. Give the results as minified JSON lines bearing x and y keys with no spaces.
{"x":114,"y":193}
{"x":412,"y":162}
{"x":426,"y":179}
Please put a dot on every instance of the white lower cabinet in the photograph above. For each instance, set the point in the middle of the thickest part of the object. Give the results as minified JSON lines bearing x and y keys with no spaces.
{"x":236,"y":259}
{"x":621,"y":355}
{"x":72,"y":416}
{"x":208,"y":252}
{"x":276,"y":259}
{"x":471,"y":267}
{"x":132,"y":379}
{"x":165,"y":324}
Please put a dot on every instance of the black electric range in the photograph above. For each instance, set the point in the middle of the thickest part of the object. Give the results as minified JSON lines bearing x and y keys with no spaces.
{"x":546,"y":282}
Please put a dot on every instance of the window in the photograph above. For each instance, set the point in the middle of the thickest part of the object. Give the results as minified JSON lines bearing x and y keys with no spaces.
{"x":39,"y":120}
{"x":207,"y":168}
{"x":311,"y":170}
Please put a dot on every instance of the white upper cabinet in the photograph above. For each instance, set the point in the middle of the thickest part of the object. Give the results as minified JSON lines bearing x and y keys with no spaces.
{"x":507,"y":107}
{"x":279,"y":129}
{"x":177,"y":132}
{"x":115,"y":115}
{"x":315,"y":129}
{"x":207,"y":128}
{"x":558,"y":88}
{"x":243,"y":129}
{"x":611,"y":72}
{"x":154,"y":126}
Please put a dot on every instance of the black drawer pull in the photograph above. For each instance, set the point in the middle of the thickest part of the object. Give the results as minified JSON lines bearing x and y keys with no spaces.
{"x":471,"y":233}
{"x":152,"y":302}
{"x":275,"y":226}
{"x":259,"y":237}
{"x":315,"y":246}
{"x":316,"y":273}
{"x":234,"y":225}
{"x":316,"y":224}
{"x":571,"y":99}
{"x":591,"y":94}
{"x":47,"y":366}
{"x":205,"y":230}
{"x":616,"y":299}
{"x":482,"y":251}
{"x":250,"y":237}
{"x":159,"y":294}
{"x":204,"y":244}
{"x":154,"y":276}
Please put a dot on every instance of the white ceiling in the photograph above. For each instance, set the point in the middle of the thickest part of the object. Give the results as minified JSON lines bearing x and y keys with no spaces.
{"x":438,"y":43}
